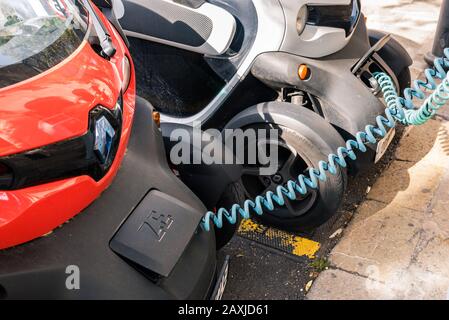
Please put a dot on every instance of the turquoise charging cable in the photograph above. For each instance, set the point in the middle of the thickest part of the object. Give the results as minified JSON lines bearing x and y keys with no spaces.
{"x":398,"y":110}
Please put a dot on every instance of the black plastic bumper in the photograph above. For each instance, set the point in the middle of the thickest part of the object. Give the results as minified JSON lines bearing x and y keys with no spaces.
{"x":175,"y":262}
{"x":196,"y":176}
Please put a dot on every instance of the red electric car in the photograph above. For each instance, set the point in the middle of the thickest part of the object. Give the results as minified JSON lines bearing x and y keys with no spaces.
{"x":51,"y":167}
{"x":84,"y":181}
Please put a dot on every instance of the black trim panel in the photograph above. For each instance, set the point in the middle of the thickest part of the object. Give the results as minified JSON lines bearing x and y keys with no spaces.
{"x":65,"y":159}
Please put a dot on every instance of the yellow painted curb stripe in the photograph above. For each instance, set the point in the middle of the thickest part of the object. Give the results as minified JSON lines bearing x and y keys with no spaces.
{"x":297,"y":245}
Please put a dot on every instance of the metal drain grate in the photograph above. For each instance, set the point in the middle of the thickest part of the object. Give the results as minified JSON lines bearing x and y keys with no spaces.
{"x":284,"y":241}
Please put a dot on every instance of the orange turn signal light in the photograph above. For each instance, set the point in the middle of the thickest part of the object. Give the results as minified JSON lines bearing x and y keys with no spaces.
{"x":157,"y":118}
{"x":303,"y":72}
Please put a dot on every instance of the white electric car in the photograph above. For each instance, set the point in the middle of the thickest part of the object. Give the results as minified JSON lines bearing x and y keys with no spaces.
{"x":304,"y":67}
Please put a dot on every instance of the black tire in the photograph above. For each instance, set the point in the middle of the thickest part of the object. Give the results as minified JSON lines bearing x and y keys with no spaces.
{"x":311,"y":148}
{"x":404,"y":79}
{"x":234,"y":193}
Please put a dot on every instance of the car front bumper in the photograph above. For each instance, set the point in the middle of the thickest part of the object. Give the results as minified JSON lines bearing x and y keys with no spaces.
{"x":42,"y":268}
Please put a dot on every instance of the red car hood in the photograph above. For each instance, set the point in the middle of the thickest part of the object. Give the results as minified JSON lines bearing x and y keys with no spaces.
{"x":54,"y":105}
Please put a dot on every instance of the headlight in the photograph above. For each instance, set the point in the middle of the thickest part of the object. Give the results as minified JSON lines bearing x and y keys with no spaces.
{"x":126,"y":67}
{"x":301,"y":19}
{"x":336,"y":16}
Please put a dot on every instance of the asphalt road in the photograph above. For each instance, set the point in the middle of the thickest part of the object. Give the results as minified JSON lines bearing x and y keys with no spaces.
{"x":260,"y":272}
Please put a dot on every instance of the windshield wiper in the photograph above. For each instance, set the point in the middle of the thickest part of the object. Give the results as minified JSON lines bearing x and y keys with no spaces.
{"x":107,"y":47}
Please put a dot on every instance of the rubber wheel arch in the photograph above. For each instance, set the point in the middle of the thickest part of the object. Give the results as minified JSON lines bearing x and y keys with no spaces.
{"x":233,"y":194}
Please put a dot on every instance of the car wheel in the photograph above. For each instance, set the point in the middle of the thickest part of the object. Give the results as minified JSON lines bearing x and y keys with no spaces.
{"x":296,"y":152}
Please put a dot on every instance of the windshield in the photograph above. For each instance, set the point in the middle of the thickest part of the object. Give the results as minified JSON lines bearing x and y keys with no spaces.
{"x":36,"y":35}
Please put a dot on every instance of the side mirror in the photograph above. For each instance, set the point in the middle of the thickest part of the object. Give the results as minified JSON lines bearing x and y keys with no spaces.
{"x":107,"y":7}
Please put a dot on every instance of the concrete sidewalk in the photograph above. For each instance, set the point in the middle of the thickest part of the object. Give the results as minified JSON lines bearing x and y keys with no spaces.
{"x":397,"y":245}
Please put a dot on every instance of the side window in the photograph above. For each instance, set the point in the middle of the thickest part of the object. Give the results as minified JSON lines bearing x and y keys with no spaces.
{"x":177,"y":82}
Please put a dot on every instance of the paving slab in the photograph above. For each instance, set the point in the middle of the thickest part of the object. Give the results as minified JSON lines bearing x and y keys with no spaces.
{"x":335,"y":284}
{"x":411,"y":21}
{"x":332,"y":285}
{"x":384,"y":238}
{"x":427,"y":143}
{"x":397,"y":244}
{"x":409,"y":185}
{"x":399,"y":237}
